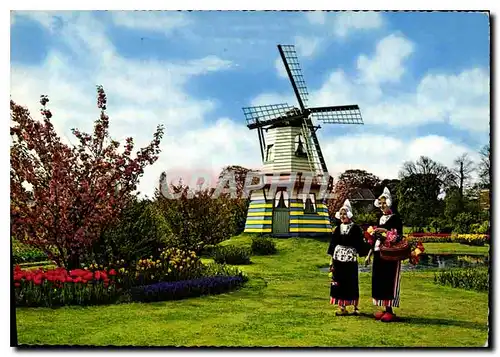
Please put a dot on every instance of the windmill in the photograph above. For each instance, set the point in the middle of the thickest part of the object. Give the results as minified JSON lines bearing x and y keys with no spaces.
{"x":289,"y":144}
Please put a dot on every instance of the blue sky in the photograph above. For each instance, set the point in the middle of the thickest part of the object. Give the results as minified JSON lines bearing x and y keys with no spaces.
{"x":421,"y":80}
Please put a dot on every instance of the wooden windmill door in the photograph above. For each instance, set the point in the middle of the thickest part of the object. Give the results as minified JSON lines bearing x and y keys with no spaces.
{"x":281,"y":213}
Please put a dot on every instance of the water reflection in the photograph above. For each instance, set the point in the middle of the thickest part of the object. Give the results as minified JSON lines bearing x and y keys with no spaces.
{"x":438,"y":261}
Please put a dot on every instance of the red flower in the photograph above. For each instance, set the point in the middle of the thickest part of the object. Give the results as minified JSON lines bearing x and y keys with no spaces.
{"x":97,"y":275}
{"x":78,"y":272}
{"x":112,"y":272}
{"x":17,"y":284}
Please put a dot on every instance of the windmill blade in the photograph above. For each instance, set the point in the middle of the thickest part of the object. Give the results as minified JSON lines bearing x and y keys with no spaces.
{"x":291,"y":62}
{"x":313,"y":145}
{"x":344,"y":114}
{"x":266,"y":114}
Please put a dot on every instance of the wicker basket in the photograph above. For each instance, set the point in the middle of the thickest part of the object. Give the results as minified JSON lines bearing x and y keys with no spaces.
{"x":400,"y":251}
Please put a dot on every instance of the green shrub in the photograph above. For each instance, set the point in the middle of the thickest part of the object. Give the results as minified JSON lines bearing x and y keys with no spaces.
{"x":263,"y":246}
{"x":475,"y":278}
{"x":231,"y":255}
{"x":239,"y":208}
{"x":24,"y":253}
{"x":462,"y":223}
{"x":207,"y":251}
{"x":479,"y":228}
{"x":216,"y":269}
{"x":197,"y":219}
{"x":140,"y":232}
{"x":367,"y":218}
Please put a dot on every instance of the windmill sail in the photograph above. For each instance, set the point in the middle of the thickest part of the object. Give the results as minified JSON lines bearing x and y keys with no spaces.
{"x":314,"y":153}
{"x":266,"y":114}
{"x":342,"y":114}
{"x":292,"y":66}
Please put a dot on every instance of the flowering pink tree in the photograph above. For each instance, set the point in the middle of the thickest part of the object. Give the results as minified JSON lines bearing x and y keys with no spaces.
{"x":75,"y":191}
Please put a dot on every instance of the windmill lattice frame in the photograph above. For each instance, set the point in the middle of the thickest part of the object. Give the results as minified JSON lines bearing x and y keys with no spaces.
{"x":266,"y":116}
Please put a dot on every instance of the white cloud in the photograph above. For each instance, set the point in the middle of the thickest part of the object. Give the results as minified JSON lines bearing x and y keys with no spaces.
{"x":46,"y":19}
{"x":387,"y":63}
{"x":316,"y":17}
{"x":460,"y":99}
{"x":384,"y":155}
{"x":159,"y":21}
{"x":141,"y":95}
{"x":306,"y":46}
{"x":346,"y":22}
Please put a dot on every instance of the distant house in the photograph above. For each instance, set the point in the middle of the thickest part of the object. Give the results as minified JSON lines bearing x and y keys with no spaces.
{"x":362,"y":199}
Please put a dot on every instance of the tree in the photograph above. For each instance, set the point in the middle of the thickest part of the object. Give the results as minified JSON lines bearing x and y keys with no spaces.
{"x":75,"y":191}
{"x":418,"y":200}
{"x":461,"y":173}
{"x":140,"y":232}
{"x":240,"y":204}
{"x":341,"y":191}
{"x":359,"y":179}
{"x":484,"y":167}
{"x":424,"y":165}
{"x":196,"y":218}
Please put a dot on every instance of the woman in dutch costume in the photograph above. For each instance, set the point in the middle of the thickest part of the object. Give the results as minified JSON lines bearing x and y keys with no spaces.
{"x":386,"y":274}
{"x":346,"y":244}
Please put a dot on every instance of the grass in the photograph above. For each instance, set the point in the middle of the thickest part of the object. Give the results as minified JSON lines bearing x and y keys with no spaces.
{"x":284,"y":304}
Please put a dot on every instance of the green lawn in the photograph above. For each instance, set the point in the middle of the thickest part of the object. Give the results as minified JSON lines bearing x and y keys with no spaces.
{"x":284,"y":304}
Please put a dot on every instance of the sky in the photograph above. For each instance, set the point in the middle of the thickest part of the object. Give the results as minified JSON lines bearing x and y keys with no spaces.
{"x":421,"y":81}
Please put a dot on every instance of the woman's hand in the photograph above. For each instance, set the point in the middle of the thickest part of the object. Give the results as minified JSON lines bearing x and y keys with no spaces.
{"x":367,"y":261}
{"x":381,"y":230}
{"x":331,"y":270}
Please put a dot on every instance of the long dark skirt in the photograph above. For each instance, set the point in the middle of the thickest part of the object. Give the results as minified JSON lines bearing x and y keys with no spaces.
{"x":386,"y":276}
{"x":346,"y":291}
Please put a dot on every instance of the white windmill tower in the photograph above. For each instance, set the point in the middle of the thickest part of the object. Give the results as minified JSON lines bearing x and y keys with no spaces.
{"x":289,"y":144}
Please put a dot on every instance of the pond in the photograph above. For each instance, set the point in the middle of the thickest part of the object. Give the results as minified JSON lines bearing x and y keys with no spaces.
{"x":437,"y":261}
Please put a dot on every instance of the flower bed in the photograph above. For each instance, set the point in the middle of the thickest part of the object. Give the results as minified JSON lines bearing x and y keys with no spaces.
{"x":96,"y":284}
{"x":186,"y":288}
{"x":57,"y":287}
{"x":469,"y":239}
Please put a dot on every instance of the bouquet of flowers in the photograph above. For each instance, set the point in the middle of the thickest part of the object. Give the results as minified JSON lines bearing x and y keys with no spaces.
{"x":370,"y":235}
{"x":391,"y":238}
{"x":415,"y":253}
